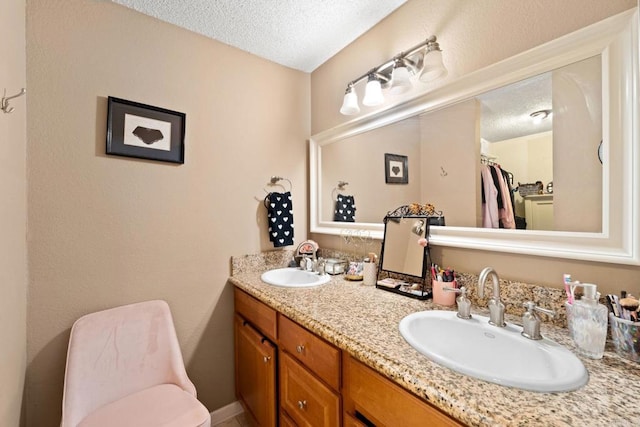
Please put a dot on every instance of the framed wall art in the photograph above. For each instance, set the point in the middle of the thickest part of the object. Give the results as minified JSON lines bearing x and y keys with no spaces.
{"x":144,"y":132}
{"x":396,"y":170}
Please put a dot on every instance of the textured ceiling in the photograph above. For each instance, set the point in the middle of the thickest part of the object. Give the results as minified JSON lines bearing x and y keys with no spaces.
{"x":506,"y":111}
{"x":301,"y":34}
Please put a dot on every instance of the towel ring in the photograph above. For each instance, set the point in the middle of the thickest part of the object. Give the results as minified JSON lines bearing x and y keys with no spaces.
{"x":338,"y":189}
{"x":275,"y":179}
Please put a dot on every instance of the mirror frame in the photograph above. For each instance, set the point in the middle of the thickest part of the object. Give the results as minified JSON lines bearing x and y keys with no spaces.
{"x":616,"y":39}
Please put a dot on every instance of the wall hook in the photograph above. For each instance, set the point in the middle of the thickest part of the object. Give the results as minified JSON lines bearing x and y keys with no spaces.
{"x":4,"y":104}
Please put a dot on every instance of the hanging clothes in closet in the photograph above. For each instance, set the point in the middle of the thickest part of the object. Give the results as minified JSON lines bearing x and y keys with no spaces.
{"x":497,"y":198}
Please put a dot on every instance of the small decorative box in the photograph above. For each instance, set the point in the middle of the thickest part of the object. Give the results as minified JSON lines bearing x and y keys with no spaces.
{"x":335,"y":266}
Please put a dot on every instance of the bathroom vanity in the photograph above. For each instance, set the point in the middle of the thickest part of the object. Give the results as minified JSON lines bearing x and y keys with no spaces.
{"x":330,"y":354}
{"x":313,"y":377}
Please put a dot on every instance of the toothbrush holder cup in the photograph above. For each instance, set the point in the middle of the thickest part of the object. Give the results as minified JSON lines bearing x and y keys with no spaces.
{"x":442,"y":297}
{"x":626,"y":337}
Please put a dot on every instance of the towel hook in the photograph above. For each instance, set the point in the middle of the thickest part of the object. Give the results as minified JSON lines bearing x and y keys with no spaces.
{"x":342,"y":184}
{"x":4,"y":104}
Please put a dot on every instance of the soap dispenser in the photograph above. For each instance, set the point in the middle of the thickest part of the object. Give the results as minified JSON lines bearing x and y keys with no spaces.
{"x":589,"y":322}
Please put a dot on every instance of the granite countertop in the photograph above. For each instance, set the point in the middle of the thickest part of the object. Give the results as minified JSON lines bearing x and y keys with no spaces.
{"x":363,"y":321}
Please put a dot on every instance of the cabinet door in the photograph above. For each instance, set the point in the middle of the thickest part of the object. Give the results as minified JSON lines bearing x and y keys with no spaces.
{"x":307,"y":401}
{"x":255,"y":373}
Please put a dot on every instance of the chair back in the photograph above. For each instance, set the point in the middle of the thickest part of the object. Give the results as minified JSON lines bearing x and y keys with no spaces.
{"x":117,"y":352}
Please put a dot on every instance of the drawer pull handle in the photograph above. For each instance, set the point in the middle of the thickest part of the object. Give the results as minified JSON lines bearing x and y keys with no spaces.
{"x":300,"y":349}
{"x":266,"y":359}
{"x":302,"y":404}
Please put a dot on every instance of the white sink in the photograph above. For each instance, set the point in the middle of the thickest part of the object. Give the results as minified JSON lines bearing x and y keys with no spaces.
{"x":498,"y":355}
{"x":294,"y":278}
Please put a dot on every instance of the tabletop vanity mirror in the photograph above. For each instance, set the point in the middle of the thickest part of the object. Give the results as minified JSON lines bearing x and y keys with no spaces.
{"x":585,"y":83}
{"x":405,"y":253}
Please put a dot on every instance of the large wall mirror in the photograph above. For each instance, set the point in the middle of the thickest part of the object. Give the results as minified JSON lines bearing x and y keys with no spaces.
{"x":563,"y":116}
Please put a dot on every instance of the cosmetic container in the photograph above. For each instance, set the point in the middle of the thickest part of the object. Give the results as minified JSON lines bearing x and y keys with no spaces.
{"x":370,"y":274}
{"x":334,"y":266}
{"x":442,"y":297}
{"x":588,"y":322}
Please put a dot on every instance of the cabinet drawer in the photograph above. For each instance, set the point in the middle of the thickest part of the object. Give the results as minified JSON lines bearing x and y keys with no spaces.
{"x":306,"y":400}
{"x":315,"y":353}
{"x":385,"y":403}
{"x":260,"y":315}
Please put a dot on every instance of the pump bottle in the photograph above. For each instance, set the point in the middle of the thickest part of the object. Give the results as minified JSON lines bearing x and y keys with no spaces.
{"x":589,"y":322}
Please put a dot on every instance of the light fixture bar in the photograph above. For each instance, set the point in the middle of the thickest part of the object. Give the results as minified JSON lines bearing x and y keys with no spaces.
{"x":389,"y":63}
{"x":414,"y":61}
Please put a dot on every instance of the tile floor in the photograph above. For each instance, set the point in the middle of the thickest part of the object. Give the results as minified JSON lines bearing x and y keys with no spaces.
{"x":237,"y":421}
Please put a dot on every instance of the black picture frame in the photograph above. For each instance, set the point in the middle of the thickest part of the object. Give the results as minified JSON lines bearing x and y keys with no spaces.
{"x":144,"y":131}
{"x":396,"y":169}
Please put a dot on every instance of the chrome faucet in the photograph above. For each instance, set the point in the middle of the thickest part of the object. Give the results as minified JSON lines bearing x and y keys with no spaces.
{"x":496,"y":307}
{"x":307,"y":251}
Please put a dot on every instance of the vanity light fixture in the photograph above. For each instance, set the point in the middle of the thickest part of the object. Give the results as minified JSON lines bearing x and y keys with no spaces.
{"x":540,"y":115}
{"x":423,"y":60}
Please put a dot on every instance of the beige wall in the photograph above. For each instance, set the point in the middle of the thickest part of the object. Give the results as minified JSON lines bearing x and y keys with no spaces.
{"x":577,"y":188}
{"x":472,"y":34}
{"x":106,"y":230}
{"x":13,"y":215}
{"x":450,"y":168}
{"x":359,"y":160}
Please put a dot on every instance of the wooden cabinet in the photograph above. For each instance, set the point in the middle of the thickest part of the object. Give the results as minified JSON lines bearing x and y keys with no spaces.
{"x":255,"y":358}
{"x":255,"y":330}
{"x":383,"y":402}
{"x":311,"y":382}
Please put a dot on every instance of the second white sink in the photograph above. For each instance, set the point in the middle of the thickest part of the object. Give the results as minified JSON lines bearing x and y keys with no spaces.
{"x":294,"y":278}
{"x":498,"y":355}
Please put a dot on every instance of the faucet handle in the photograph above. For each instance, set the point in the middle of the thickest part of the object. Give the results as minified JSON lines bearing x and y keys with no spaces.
{"x":530,"y":305}
{"x":531,"y":321}
{"x":464,"y":304}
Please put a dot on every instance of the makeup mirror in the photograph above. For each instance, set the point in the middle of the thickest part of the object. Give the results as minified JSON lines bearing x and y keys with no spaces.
{"x":614,"y":233}
{"x":401,"y":249}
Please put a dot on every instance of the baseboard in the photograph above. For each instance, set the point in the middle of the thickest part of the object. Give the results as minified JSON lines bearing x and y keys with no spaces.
{"x":226,"y":412}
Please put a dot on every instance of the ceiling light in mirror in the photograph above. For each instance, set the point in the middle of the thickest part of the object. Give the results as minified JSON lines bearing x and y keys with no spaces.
{"x":539,"y":116}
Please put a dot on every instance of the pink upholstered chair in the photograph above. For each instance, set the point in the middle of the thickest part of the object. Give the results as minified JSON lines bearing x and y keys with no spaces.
{"x":125,"y":368}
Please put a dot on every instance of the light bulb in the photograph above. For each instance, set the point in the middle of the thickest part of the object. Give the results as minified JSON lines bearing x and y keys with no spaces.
{"x":433,"y":67}
{"x":400,"y":80}
{"x":373,"y":93}
{"x":350,"y":103}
